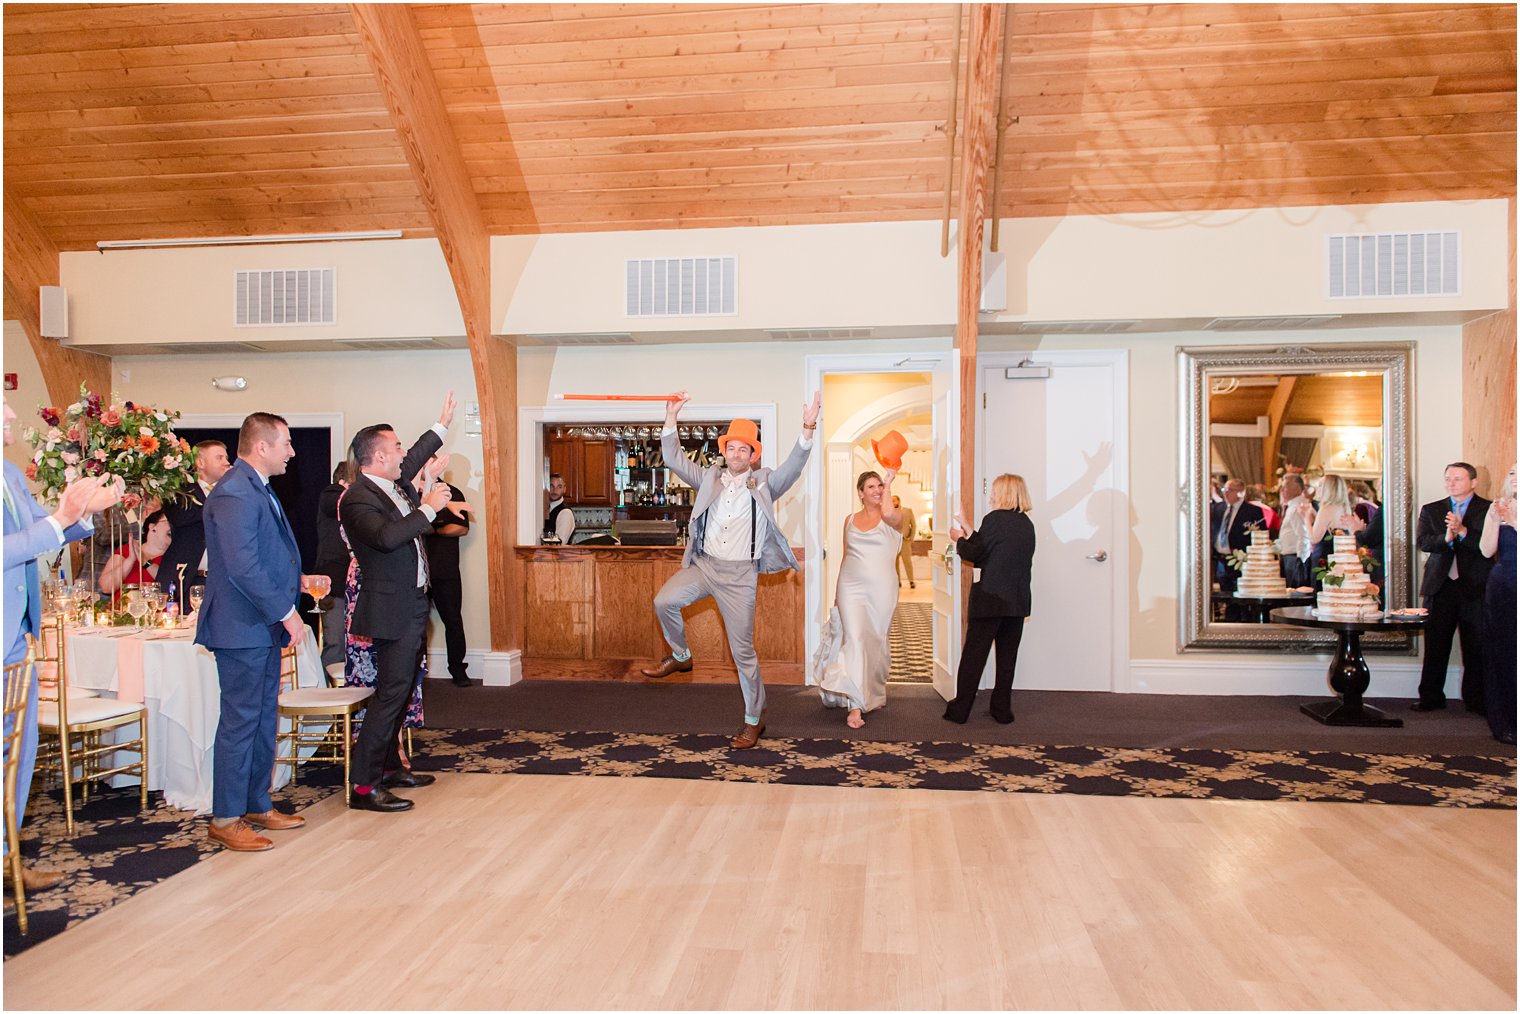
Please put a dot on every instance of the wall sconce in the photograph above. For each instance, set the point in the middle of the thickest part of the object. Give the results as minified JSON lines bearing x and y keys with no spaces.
{"x":230,"y":383}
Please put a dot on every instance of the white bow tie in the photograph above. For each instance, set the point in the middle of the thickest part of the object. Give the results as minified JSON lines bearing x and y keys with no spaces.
{"x":731,"y":480}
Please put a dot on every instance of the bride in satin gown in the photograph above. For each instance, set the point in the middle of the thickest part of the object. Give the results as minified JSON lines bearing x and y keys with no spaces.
{"x":854,"y":658}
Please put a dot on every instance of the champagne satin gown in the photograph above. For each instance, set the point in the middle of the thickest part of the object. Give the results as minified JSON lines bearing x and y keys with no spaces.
{"x":854,"y":659}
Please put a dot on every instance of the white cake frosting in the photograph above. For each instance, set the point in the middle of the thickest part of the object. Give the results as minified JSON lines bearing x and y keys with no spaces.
{"x":1351,"y":599}
{"x":1261,"y":575}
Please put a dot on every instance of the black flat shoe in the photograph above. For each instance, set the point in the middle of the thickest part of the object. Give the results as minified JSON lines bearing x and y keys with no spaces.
{"x":462,"y":681}
{"x":959,"y":718}
{"x":378,"y":799}
{"x":1428,"y":706}
{"x":407,"y":780}
{"x":1507,"y":738}
{"x":1002,"y":717}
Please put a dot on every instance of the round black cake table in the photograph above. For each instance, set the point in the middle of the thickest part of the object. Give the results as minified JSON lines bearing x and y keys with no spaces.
{"x":1349,"y":675}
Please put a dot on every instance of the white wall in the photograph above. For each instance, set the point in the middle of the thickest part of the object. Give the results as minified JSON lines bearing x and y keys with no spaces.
{"x":30,"y":392}
{"x":385,"y":289}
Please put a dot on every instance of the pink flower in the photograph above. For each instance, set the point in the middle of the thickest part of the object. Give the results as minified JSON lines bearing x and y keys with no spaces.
{"x":100,"y":454}
{"x":78,"y":433}
{"x":70,"y":458}
{"x":111,"y":417}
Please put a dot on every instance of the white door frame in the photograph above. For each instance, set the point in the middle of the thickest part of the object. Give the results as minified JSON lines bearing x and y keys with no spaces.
{"x":1119,"y":554}
{"x":815,"y":594}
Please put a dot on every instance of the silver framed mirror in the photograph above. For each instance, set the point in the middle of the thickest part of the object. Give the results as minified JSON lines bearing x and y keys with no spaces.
{"x":1261,"y":412}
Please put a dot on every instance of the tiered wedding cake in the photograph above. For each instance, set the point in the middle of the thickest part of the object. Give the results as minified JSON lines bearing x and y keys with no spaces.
{"x":1351,"y":599}
{"x":1261,"y":575}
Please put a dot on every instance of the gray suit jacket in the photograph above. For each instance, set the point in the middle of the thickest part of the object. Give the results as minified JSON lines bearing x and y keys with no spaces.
{"x":770,"y":483}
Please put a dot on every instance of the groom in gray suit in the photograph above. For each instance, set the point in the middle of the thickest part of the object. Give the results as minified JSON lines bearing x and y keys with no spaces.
{"x":733,"y":538}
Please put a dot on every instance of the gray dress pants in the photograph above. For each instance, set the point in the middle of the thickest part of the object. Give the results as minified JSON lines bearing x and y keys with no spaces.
{"x":730,"y":584}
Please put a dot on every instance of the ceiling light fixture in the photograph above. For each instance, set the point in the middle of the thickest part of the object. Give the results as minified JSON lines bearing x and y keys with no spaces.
{"x":310,"y":237}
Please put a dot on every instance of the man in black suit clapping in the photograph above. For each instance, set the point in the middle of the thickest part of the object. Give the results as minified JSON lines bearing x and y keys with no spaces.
{"x":184,"y":563}
{"x":1456,"y":573}
{"x":385,"y":523}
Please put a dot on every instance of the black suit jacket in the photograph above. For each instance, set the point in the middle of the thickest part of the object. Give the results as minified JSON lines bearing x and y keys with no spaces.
{"x":1246,"y":515}
{"x":189,"y":542}
{"x":1004,"y":550}
{"x":384,"y":542}
{"x":1430,"y":537}
{"x":332,"y":553}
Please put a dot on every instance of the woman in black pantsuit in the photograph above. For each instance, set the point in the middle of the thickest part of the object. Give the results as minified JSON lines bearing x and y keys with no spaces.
{"x":1004,"y":551}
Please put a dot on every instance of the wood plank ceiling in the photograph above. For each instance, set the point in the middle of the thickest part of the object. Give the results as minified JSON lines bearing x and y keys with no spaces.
{"x":160,"y":120}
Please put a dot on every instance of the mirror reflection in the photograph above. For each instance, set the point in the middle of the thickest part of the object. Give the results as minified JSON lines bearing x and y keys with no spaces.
{"x":1294,"y":461}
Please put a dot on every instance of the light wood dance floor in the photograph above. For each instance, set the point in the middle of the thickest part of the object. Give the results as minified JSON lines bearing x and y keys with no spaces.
{"x":575,"y":892}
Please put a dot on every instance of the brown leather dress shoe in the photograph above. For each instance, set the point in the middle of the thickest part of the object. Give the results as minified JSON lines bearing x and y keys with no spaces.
{"x":35,"y":880}
{"x":666,"y":667}
{"x":747,"y":736}
{"x":238,"y":836}
{"x":274,"y":820}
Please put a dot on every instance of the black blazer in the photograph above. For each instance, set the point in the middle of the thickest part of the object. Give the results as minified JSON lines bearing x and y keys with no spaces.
{"x":1245,"y":517}
{"x":1004,"y":550}
{"x":189,"y":542}
{"x":385,"y":543}
{"x":1430,"y":537}
{"x":332,"y":553}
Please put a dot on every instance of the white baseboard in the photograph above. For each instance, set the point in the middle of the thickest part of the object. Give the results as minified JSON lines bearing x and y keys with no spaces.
{"x":492,"y":668}
{"x":1299,"y":678}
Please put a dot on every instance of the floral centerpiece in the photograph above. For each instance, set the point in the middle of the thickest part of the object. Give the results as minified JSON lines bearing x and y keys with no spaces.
{"x":134,"y":442}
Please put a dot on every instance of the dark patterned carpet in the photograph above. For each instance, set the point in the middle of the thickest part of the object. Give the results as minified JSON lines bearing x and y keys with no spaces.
{"x":911,"y":638}
{"x":118,"y":851}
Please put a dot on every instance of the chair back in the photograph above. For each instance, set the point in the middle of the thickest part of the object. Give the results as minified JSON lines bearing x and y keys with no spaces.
{"x":52,"y":668}
{"x":287,"y":668}
{"x":18,"y":691}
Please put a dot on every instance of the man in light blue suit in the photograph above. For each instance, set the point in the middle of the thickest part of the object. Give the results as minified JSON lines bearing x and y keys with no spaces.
{"x":253,"y":581}
{"x":30,"y":532}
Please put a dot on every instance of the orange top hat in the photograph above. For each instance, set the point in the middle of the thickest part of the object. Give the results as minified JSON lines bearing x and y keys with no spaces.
{"x":744,"y":431}
{"x":889,"y":450}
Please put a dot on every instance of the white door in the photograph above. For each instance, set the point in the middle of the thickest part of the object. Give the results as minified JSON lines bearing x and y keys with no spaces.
{"x":944,"y":565}
{"x":1060,"y":433}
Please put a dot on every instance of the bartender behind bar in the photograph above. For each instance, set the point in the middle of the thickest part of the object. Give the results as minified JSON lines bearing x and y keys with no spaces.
{"x":560,"y":521}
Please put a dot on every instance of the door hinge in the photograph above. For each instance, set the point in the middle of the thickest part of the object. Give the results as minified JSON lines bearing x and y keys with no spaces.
{"x":984,"y":399}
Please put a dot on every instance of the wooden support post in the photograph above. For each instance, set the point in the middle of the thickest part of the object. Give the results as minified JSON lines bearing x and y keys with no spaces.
{"x":1277,"y":419}
{"x":977,"y":128}
{"x":31,"y":261}
{"x":422,"y":124}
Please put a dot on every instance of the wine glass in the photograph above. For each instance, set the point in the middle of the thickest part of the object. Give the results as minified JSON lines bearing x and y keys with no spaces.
{"x":317,"y":586}
{"x":157,"y":599}
{"x":137,"y":604}
{"x":196,"y":594}
{"x":83,"y":595}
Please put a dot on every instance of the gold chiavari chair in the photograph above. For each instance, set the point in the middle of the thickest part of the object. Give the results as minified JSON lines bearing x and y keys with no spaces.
{"x":76,"y":725}
{"x":321,"y":718}
{"x":18,"y":691}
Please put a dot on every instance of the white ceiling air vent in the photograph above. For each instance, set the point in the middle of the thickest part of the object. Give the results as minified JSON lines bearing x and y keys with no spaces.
{"x":286,"y":298}
{"x":391,"y":344}
{"x":1268,"y":323}
{"x":683,"y":287}
{"x":817,"y":334}
{"x":608,"y":338}
{"x":209,"y":348}
{"x":1077,"y":326}
{"x":1393,"y":264}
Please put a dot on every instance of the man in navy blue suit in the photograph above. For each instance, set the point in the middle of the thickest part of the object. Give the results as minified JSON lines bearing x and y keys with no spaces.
{"x":30,"y":531}
{"x":253,"y":581}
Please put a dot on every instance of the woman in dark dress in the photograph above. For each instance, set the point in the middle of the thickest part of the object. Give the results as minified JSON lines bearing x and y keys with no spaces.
{"x":1498,"y":539}
{"x":1004,"y":551}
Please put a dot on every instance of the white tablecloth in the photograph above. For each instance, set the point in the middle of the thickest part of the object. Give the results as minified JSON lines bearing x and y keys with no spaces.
{"x":183,"y":699}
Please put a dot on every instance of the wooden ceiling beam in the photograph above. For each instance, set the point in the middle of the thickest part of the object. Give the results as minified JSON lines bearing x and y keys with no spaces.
{"x":411,"y":94}
{"x":31,"y":261}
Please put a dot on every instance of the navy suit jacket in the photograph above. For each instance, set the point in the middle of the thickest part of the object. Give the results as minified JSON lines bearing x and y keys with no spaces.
{"x":24,"y":543}
{"x":253,"y":566}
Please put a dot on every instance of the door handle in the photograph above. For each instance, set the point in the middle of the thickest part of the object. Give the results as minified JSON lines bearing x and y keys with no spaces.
{"x":1100,"y":555}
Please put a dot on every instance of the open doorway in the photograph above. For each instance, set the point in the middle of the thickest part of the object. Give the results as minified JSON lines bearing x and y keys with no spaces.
{"x":864,"y":398}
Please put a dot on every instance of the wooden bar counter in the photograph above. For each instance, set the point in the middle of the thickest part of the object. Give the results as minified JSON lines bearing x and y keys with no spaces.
{"x":589,"y":614}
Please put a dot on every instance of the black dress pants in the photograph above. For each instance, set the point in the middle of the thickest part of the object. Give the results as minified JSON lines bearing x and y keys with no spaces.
{"x":396,"y":663}
{"x":981,"y":634}
{"x":448,"y":599}
{"x":1453,"y":610}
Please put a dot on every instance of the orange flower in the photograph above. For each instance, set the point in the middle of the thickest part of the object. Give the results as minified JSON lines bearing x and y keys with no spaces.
{"x":30,"y":470}
{"x":148,"y":444}
{"x":184,"y":446}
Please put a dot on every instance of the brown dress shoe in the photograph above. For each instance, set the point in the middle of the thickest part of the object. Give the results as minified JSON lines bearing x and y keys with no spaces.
{"x":274,"y":820}
{"x":238,"y":836}
{"x":35,"y":880}
{"x":747,"y":736}
{"x":666,"y":667}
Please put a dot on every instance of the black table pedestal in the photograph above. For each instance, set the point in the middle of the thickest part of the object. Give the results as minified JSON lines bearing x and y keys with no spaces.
{"x":1349,"y":677}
